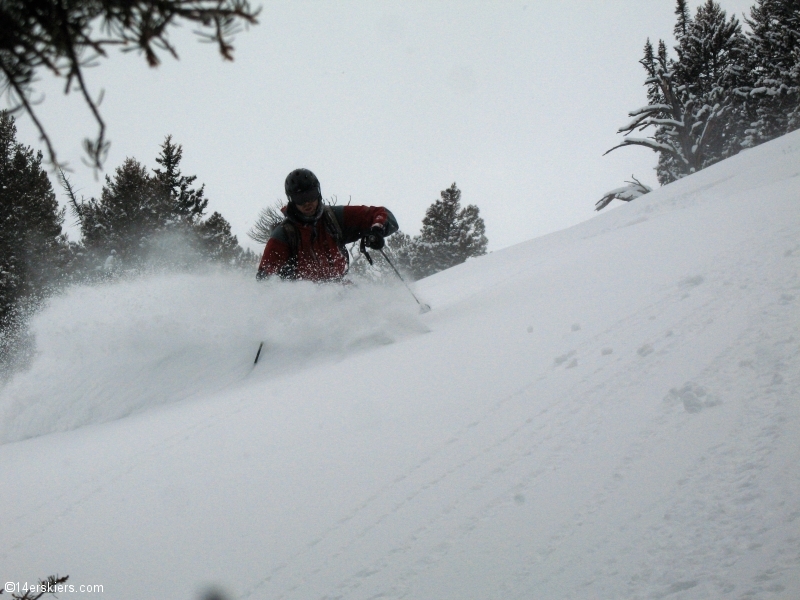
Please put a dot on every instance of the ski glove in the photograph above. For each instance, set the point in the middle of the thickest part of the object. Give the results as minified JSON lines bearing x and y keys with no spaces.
{"x":374,"y":239}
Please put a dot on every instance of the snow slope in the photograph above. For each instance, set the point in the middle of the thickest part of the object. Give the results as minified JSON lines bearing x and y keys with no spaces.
{"x":611,"y":411}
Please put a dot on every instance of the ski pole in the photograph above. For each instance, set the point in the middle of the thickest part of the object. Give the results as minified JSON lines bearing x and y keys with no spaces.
{"x":423,"y":308}
{"x":261,"y":345}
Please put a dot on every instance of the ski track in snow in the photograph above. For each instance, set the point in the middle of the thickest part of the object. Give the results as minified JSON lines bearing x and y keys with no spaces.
{"x":637,"y":443}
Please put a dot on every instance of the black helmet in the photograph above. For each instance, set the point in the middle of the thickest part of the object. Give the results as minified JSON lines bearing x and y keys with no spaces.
{"x":300,"y":182}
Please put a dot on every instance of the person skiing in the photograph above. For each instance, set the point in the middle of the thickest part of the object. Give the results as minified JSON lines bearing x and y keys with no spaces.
{"x":309,"y":243}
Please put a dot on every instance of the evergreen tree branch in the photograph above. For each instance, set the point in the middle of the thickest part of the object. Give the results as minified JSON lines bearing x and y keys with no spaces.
{"x":75,"y":206}
{"x":57,"y":34}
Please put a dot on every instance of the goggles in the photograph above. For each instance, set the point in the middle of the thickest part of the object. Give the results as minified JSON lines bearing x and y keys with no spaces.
{"x":306,"y":197}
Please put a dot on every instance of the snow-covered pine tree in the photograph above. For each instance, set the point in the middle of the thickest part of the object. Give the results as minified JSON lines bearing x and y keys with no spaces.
{"x":710,"y":51}
{"x":33,"y":248}
{"x":450,"y":234}
{"x":689,"y":100}
{"x":670,"y":117}
{"x":712,"y":66}
{"x":774,"y":60}
{"x":669,"y":164}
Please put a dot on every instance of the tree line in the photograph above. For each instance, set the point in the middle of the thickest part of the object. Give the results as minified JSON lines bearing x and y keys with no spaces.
{"x":146,"y":218}
{"x":724,"y":90}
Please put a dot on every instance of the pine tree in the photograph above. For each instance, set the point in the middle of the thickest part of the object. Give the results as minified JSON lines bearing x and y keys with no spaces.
{"x":180,"y":203}
{"x":711,"y":66}
{"x":399,"y":248}
{"x":450,"y":234}
{"x":691,"y":100}
{"x":671,"y":114}
{"x":710,"y":48}
{"x":774,"y":63}
{"x":219,"y":245}
{"x":124,"y":219}
{"x":684,"y":19}
{"x":154,"y":219}
{"x":670,"y":166}
{"x":32,"y":246}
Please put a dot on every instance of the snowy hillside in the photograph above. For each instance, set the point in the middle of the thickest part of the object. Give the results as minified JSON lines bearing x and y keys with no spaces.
{"x":612,"y":411}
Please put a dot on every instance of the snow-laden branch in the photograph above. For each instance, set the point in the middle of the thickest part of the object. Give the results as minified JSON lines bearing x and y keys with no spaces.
{"x":648,"y":143}
{"x":649,"y":109}
{"x":633,"y":190}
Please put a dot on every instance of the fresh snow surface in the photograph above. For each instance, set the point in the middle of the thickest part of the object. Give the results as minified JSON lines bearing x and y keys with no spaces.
{"x":611,"y":411}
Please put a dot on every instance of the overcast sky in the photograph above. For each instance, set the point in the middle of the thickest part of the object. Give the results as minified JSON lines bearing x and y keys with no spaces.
{"x":389,"y":103}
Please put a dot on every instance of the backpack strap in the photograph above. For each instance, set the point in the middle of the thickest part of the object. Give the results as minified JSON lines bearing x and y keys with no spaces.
{"x":289,"y":269}
{"x":333,"y":226}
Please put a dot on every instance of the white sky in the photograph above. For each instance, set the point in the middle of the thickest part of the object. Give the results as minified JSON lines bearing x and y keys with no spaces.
{"x":389,"y":103}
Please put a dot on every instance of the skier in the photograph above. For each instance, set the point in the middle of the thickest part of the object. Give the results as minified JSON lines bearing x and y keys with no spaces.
{"x":310,"y":242}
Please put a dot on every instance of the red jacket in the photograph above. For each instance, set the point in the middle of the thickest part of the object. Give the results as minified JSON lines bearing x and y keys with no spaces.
{"x":318,"y":256}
